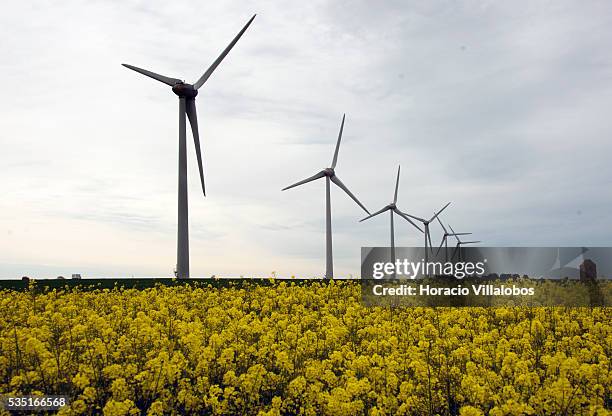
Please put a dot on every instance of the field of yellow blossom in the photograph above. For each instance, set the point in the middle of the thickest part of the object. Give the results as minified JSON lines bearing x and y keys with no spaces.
{"x":286,"y":349}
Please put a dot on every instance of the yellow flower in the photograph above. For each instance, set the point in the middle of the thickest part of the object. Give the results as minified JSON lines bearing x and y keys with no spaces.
{"x":80,"y":380}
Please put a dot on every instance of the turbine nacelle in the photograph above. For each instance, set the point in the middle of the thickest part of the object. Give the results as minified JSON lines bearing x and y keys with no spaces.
{"x":184,"y":90}
{"x":329,"y":172}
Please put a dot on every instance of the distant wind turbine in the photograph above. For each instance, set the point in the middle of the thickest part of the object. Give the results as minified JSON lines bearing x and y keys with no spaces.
{"x":445,"y":239}
{"x":392,"y":208}
{"x":187,"y":94}
{"x":459,"y":244}
{"x":428,"y":244}
{"x":330,"y":176}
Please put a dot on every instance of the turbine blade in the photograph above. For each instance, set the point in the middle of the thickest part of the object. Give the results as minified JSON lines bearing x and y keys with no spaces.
{"x":429,"y":238}
{"x":455,"y":250}
{"x":441,"y":244}
{"x":312,"y":178}
{"x":193,"y":120}
{"x":215,"y":64}
{"x":459,"y":233}
{"x":470,"y":242}
{"x":404,"y":216}
{"x":415,"y":217}
{"x":454,"y":234}
{"x":161,"y":78}
{"x":375,"y":214}
{"x":333,"y":165}
{"x":339,"y":183}
{"x":396,"y":184}
{"x":439,"y":212}
{"x":443,"y":227}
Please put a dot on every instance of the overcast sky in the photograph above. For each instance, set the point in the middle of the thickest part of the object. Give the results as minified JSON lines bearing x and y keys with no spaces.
{"x":502,"y":108}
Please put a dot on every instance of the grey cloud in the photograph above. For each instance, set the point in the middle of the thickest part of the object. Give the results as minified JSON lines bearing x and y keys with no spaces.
{"x":499,"y":107}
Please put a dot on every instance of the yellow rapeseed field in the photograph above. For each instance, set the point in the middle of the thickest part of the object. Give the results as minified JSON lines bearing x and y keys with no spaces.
{"x":299,"y":349}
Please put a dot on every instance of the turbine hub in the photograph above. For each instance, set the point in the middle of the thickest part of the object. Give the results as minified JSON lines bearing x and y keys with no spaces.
{"x":184,"y":90}
{"x":329,"y":172}
{"x":392,"y":205}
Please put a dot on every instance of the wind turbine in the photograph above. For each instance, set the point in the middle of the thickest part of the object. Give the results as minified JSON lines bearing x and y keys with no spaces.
{"x":426,"y":223}
{"x":187,"y":94}
{"x":392,"y":208}
{"x":445,"y":239}
{"x":330,"y":176}
{"x":459,"y":243}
